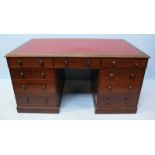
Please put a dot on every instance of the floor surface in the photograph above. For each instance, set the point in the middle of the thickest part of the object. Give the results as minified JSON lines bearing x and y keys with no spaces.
{"x":77,"y":105}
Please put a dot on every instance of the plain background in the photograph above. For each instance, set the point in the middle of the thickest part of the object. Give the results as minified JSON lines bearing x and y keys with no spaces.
{"x":77,"y":17}
{"x":145,"y":42}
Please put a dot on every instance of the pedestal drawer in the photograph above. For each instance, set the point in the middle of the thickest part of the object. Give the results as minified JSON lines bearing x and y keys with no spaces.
{"x":36,"y":100}
{"x":117,"y":100}
{"x":34,"y":86}
{"x":33,"y":73}
{"x":120,"y":75}
{"x":119,"y":87}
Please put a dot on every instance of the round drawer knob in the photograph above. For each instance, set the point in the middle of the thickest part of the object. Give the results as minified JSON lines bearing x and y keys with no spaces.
{"x":21,"y":74}
{"x":27,"y":100}
{"x":108,"y":100}
{"x":126,"y":100}
{"x":19,"y":62}
{"x":42,"y":75}
{"x":136,"y":64}
{"x":109,"y":87}
{"x":41,"y":62}
{"x":45,"y":100}
{"x":88,"y":62}
{"x":24,"y":86}
{"x":111,"y":75}
{"x":66,"y":62}
{"x":114,"y":63}
{"x":132,"y":75}
{"x":44,"y":87}
{"x":130,"y":87}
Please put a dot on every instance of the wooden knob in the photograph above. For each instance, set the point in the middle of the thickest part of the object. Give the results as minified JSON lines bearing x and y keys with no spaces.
{"x":114,"y":63}
{"x":111,"y":75}
{"x":136,"y":64}
{"x":19,"y":62}
{"x":44,"y":87}
{"x":42,"y":75}
{"x":88,"y":62}
{"x":108,"y":100}
{"x":21,"y":74}
{"x":45,"y":100}
{"x":126,"y":100}
{"x":24,"y":86}
{"x":27,"y":100}
{"x":41,"y":62}
{"x":130,"y":87}
{"x":132,"y":75}
{"x":66,"y":62}
{"x":109,"y":87}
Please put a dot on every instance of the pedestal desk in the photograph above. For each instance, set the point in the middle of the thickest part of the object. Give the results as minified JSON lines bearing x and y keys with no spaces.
{"x":37,"y":70}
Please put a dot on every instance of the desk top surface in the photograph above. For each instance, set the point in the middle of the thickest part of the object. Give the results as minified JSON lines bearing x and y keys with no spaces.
{"x":77,"y":48}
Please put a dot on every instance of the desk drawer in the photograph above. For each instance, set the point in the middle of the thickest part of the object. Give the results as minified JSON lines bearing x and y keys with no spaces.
{"x":117,"y":87}
{"x":36,"y":101}
{"x":124,"y":63}
{"x":37,"y":86}
{"x":30,"y":62}
{"x":117,"y":100}
{"x":120,"y":75}
{"x":76,"y":63}
{"x":30,"y":73}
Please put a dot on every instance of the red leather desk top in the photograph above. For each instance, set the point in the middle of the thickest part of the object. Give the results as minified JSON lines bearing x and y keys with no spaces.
{"x":77,"y":48}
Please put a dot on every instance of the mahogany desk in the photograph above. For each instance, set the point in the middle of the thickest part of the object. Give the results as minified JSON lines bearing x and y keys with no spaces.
{"x":37,"y":72}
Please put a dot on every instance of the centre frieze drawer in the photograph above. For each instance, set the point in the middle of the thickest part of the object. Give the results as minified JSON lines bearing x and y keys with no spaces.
{"x":77,"y":63}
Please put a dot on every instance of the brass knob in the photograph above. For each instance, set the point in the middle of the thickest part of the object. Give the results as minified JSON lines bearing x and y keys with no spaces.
{"x":66,"y":62}
{"x":27,"y":100}
{"x":126,"y":100}
{"x":132,"y":75}
{"x":44,"y":87}
{"x":114,"y":63}
{"x":21,"y":74}
{"x":19,"y":62}
{"x":42,"y":75}
{"x":111,"y":75}
{"x":41,"y":62}
{"x":45,"y":100}
{"x":109,"y":87}
{"x":24,"y":86}
{"x":108,"y":100}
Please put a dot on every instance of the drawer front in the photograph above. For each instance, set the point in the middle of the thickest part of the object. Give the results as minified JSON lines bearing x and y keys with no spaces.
{"x":28,"y":86}
{"x":36,"y":73}
{"x":118,"y":100}
{"x":124,"y":63}
{"x":30,"y":62}
{"x":76,"y":63}
{"x":36,"y":101}
{"x":121,"y":75}
{"x":117,"y":87}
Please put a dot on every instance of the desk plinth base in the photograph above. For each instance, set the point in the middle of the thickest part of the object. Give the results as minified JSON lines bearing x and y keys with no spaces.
{"x":38,"y":109}
{"x":117,"y":110}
